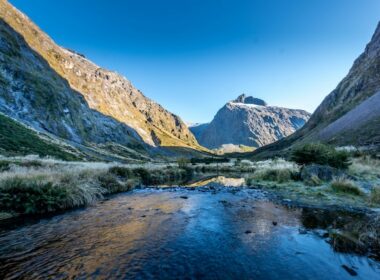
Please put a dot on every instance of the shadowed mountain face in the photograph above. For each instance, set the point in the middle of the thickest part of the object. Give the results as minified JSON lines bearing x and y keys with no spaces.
{"x":347,"y":116}
{"x":250,"y":122}
{"x":61,"y":92}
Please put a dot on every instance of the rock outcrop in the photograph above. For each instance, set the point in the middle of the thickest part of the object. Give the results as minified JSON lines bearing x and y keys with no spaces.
{"x":250,"y":122}
{"x":59,"y":91}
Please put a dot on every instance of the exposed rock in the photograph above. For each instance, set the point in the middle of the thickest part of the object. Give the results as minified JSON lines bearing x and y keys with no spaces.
{"x":249,"y":124}
{"x":249,"y":100}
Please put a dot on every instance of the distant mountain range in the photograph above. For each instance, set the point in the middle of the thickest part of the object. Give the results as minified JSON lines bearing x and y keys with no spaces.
{"x":248,"y":121}
{"x":349,"y":115}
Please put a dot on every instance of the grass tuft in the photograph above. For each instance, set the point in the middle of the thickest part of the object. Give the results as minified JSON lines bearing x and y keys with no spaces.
{"x":344,"y":185}
{"x":374,"y":196}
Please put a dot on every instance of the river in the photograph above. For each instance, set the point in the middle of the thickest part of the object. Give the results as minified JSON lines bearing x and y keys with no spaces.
{"x":177,"y":233}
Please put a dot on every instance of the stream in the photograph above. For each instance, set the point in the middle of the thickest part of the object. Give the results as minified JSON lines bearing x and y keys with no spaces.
{"x":178,"y":233}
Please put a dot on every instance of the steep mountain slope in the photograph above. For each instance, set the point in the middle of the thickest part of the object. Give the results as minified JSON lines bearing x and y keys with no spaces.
{"x":249,"y":121}
{"x":347,"y":116}
{"x":60,"y":91}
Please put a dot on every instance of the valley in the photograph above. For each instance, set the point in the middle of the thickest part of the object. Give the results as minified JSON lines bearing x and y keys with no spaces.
{"x":99,"y":181}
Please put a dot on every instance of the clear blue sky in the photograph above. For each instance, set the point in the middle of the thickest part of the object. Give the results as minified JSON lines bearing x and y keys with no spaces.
{"x":192,"y":56}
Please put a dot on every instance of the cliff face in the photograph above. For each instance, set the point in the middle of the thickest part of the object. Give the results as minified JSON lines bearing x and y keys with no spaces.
{"x":60,"y":91}
{"x":349,"y":115}
{"x":249,"y":121}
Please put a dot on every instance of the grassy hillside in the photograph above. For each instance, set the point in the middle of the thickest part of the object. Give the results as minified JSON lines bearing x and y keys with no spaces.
{"x":16,"y":139}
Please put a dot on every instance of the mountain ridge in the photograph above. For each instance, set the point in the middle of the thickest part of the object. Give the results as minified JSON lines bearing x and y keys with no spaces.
{"x":104,"y":91}
{"x":361,"y":83}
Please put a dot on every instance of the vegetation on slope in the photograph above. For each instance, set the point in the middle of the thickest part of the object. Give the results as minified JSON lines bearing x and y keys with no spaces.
{"x":16,"y":139}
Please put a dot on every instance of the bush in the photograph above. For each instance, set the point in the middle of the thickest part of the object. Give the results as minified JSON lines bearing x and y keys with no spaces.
{"x":374,"y":197}
{"x":344,"y":185}
{"x":122,"y":172}
{"x":110,"y":182}
{"x":143,"y":174}
{"x":321,"y":154}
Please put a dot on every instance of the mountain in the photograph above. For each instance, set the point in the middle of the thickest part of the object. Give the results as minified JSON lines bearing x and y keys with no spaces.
{"x":250,"y":122}
{"x":350,"y":114}
{"x":59,"y":91}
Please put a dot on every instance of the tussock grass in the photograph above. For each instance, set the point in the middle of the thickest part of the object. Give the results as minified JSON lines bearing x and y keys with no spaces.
{"x":275,"y":175}
{"x":277,"y":170}
{"x":34,"y":186}
{"x":343,"y":185}
{"x":365,"y":167}
{"x":374,"y":196}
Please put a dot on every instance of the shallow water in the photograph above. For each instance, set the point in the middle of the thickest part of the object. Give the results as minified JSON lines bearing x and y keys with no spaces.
{"x":179,"y":233}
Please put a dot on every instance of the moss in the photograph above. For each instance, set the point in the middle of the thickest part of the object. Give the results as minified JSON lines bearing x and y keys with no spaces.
{"x":15,"y":139}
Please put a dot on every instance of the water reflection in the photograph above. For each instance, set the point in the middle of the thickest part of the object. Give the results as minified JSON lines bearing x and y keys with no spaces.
{"x":169,"y":234}
{"x":218,"y":180}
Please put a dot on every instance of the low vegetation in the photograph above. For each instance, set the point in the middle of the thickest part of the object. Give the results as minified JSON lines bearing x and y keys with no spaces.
{"x":344,"y":185}
{"x":33,"y":186}
{"x":278,"y":170}
{"x":321,"y":154}
{"x":374,"y":197}
{"x":16,"y":139}
{"x":366,"y":167}
{"x":30,"y":185}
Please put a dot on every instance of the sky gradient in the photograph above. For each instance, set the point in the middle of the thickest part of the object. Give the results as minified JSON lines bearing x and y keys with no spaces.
{"x":192,"y":56}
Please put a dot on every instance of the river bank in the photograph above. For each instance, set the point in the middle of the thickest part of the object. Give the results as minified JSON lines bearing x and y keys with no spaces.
{"x":38,"y":186}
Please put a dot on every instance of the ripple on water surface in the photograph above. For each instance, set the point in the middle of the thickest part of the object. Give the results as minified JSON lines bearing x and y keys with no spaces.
{"x":170,"y":234}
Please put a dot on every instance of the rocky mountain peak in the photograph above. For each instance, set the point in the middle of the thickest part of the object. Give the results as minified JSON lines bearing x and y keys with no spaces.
{"x":249,"y":100}
{"x":373,"y":48}
{"x":248,"y":121}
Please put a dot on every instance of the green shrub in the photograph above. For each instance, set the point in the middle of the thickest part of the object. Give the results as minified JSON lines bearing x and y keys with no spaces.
{"x":110,"y":182}
{"x":143,"y":174}
{"x":343,"y":185}
{"x":122,"y":172}
{"x":321,"y":154}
